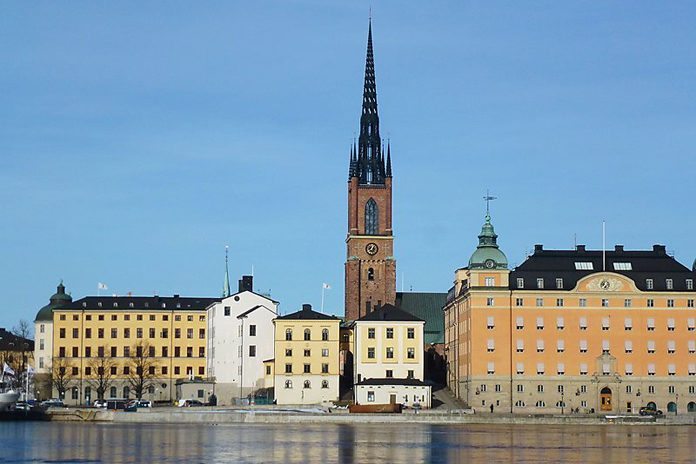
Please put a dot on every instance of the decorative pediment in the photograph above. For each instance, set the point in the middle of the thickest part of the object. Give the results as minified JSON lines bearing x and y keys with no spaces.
{"x":606,"y":282}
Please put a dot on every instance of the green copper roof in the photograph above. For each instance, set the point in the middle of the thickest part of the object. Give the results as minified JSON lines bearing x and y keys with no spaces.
{"x":426,"y":306}
{"x":57,"y":300}
{"x":487,"y":254}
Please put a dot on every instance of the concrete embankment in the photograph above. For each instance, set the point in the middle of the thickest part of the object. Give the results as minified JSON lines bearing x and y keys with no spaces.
{"x":281,"y":416}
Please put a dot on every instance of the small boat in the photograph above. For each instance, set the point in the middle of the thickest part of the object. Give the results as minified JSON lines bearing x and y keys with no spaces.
{"x":8,"y":398}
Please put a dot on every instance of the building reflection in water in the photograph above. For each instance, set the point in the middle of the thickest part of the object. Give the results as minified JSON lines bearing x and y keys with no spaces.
{"x":344,"y":444}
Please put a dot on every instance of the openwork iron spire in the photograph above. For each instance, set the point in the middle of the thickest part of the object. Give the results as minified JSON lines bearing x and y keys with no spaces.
{"x":369,"y":164}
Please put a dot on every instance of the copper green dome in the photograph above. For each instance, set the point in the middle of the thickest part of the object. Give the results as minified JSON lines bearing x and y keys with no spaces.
{"x":487,"y":254}
{"x":57,"y":300}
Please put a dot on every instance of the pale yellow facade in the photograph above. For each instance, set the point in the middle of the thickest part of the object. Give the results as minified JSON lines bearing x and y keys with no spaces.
{"x":306,"y":365}
{"x":388,"y":349}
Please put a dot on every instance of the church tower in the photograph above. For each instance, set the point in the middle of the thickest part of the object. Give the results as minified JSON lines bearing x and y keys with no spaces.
{"x":370,"y":265}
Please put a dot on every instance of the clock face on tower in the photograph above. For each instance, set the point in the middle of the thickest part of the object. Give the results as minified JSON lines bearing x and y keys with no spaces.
{"x":371,"y":249}
{"x":489,"y":263}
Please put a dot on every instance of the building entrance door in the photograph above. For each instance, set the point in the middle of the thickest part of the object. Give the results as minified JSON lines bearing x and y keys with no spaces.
{"x":605,"y":399}
{"x":392,"y":399}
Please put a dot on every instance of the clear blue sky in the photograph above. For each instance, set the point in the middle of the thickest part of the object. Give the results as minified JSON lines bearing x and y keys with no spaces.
{"x":137,"y":139}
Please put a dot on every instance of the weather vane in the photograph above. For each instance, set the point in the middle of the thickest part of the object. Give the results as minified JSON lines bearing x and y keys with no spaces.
{"x":488,"y":198}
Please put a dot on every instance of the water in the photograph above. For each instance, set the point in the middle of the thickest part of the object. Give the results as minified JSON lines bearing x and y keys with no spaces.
{"x":335,"y":443}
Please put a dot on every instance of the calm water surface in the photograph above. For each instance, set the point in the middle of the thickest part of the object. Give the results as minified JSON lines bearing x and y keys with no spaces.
{"x":334,"y":443}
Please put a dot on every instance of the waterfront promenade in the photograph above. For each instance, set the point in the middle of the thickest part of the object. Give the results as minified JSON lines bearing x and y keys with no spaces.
{"x":319,"y":415}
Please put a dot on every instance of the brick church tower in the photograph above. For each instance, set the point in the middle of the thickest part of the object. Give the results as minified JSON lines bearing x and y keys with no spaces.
{"x":370,"y":264}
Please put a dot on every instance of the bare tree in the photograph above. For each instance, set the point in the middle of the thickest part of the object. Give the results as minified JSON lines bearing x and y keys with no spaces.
{"x":61,"y":376}
{"x":24,"y":347}
{"x":102,"y":373}
{"x":141,"y":374}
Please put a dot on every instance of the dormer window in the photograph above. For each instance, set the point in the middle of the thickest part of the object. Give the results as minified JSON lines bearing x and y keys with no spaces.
{"x":584,"y":266}
{"x":520,"y":282}
{"x":540,"y":283}
{"x":689,"y":284}
{"x":623,"y":267}
{"x":669,"y":283}
{"x":559,"y":283}
{"x":649,"y":284}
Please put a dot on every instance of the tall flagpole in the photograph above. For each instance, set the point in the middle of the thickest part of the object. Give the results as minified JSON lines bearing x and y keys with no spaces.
{"x":604,"y":246}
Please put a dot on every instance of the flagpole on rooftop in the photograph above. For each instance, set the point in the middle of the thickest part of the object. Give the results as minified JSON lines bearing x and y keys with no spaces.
{"x":324,"y":286}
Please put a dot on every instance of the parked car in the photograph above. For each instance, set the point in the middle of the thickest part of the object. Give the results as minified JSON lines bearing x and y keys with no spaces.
{"x":189,"y":403}
{"x":650,"y":411}
{"x":22,"y":406}
{"x":144,"y":403}
{"x":53,"y":403}
{"x":99,"y":403}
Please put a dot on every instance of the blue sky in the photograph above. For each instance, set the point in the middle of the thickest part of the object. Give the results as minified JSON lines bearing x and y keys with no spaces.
{"x":137,"y":139}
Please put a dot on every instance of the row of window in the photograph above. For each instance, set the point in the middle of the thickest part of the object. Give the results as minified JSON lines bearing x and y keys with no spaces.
{"x":605,"y":323}
{"x":389,"y":332}
{"x":128,"y":352}
{"x":306,"y":368}
{"x":138,"y":317}
{"x":649,"y":283}
{"x":307,"y":384}
{"x":128,"y":370}
{"x":416,"y":398}
{"x":605,"y":302}
{"x":583,"y":370}
{"x":628,"y":346}
{"x":389,"y":353}
{"x":308,"y":352}
{"x":139,"y":333}
{"x":308,"y":334}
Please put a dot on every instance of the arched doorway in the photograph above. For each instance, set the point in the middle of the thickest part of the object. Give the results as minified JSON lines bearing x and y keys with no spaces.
{"x":691,"y":407}
{"x":605,"y":399}
{"x":672,"y":407}
{"x":651,"y":405}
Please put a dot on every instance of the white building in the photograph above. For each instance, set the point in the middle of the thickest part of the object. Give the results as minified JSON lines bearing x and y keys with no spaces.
{"x":240,"y":339}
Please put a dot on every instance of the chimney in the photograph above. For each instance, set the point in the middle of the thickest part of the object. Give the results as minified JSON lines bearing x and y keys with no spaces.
{"x":246,"y":284}
{"x":580,"y":248}
{"x":306,"y":307}
{"x":618,"y":248}
{"x":659,"y":249}
{"x":176,"y":295}
{"x":538,"y":247}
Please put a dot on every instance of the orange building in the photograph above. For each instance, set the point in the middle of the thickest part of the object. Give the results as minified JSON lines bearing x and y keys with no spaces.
{"x":572,"y":330}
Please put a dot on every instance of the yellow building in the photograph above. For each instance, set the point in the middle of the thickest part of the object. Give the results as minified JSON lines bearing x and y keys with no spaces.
{"x":572,"y":330}
{"x":112,"y":347}
{"x":388,"y":358}
{"x":306,"y":357}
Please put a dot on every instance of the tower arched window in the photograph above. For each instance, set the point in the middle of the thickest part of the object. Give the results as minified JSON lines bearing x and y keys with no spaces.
{"x":370,"y":274}
{"x":371,"y":217}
